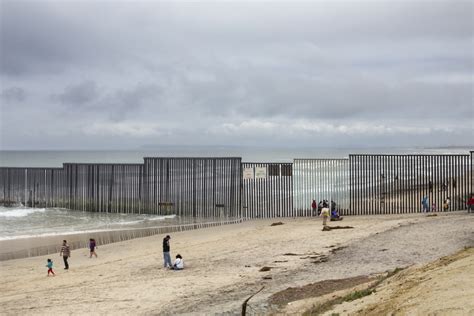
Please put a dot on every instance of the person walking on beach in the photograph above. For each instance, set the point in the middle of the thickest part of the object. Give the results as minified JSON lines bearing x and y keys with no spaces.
{"x":325,"y":215}
{"x":92,"y":247}
{"x":49,"y":265}
{"x":314,"y":206}
{"x":66,"y":253}
{"x":178,"y":263}
{"x":166,"y":251}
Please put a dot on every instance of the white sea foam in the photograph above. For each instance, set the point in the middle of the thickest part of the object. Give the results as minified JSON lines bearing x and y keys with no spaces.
{"x":20,"y":212}
{"x":65,"y":233}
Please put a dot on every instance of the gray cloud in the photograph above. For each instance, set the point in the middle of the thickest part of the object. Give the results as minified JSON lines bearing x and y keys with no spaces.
{"x":130,"y":73}
{"x":13,"y":94}
{"x":78,"y":94}
{"x":124,"y":101}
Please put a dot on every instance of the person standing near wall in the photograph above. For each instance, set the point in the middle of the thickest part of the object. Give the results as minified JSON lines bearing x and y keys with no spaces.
{"x":470,"y":204}
{"x":446,"y":204}
{"x":166,"y":252}
{"x":425,"y":202}
{"x":314,"y":206}
{"x":66,"y":253}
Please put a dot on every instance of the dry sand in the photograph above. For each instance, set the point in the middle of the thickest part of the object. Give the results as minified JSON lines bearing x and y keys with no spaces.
{"x":222,"y":265}
{"x":443,"y":287}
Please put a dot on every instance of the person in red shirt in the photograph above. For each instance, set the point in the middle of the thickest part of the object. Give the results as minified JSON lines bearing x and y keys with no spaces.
{"x":470,"y":203}
{"x":314,"y":206}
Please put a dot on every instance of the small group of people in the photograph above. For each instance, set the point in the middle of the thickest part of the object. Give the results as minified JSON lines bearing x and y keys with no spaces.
{"x":178,"y":262}
{"x":323,"y":210}
{"x":317,"y":207}
{"x":425,"y":203}
{"x":65,"y":252}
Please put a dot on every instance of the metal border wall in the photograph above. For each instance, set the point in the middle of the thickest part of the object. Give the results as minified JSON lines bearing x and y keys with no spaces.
{"x":34,"y":187}
{"x":197,"y":187}
{"x":112,"y":188}
{"x":227,"y":188}
{"x":268,"y":193}
{"x":394,"y":184}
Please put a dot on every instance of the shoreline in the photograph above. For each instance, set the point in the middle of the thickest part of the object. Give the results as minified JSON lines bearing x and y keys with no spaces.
{"x":42,"y":245}
{"x":18,"y":248}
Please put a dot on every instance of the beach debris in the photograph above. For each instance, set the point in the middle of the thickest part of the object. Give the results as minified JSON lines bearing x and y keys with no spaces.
{"x":311,"y":257}
{"x":321,"y":259}
{"x":264,"y":269}
{"x":384,"y":249}
{"x":267,"y":277}
{"x":431,"y":215}
{"x":291,"y":254}
{"x":328,"y":228}
{"x":276,"y":224}
{"x":280,"y":261}
{"x":334,"y":250}
{"x":244,"y":304}
{"x":247,"y":266}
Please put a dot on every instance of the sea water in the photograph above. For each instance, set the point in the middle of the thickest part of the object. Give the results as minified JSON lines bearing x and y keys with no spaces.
{"x":56,"y":158}
{"x":24,"y":222}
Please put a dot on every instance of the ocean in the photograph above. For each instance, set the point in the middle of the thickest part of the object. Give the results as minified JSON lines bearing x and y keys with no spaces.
{"x":22,"y":222}
{"x":55,"y":158}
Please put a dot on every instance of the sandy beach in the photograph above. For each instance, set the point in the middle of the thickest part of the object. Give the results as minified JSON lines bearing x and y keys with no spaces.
{"x":222,"y":266}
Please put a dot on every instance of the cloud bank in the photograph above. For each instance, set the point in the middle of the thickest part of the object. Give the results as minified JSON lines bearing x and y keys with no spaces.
{"x":106,"y":74}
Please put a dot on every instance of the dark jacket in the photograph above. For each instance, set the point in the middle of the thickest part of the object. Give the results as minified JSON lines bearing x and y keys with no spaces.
{"x":166,"y":245}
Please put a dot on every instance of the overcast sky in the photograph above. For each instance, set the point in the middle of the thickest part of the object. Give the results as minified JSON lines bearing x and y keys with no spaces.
{"x":123,"y":74}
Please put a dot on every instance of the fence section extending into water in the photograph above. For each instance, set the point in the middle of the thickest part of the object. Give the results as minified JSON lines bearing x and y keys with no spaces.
{"x":227,"y":188}
{"x":393,"y":184}
{"x":267,"y":190}
{"x":112,"y":188}
{"x":34,"y":187}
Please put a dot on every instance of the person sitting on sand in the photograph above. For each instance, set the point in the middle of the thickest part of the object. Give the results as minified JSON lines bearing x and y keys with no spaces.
{"x":325,"y":215}
{"x":178,"y":263}
{"x":92,"y":247}
{"x":335,"y":216}
{"x":49,"y":265}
